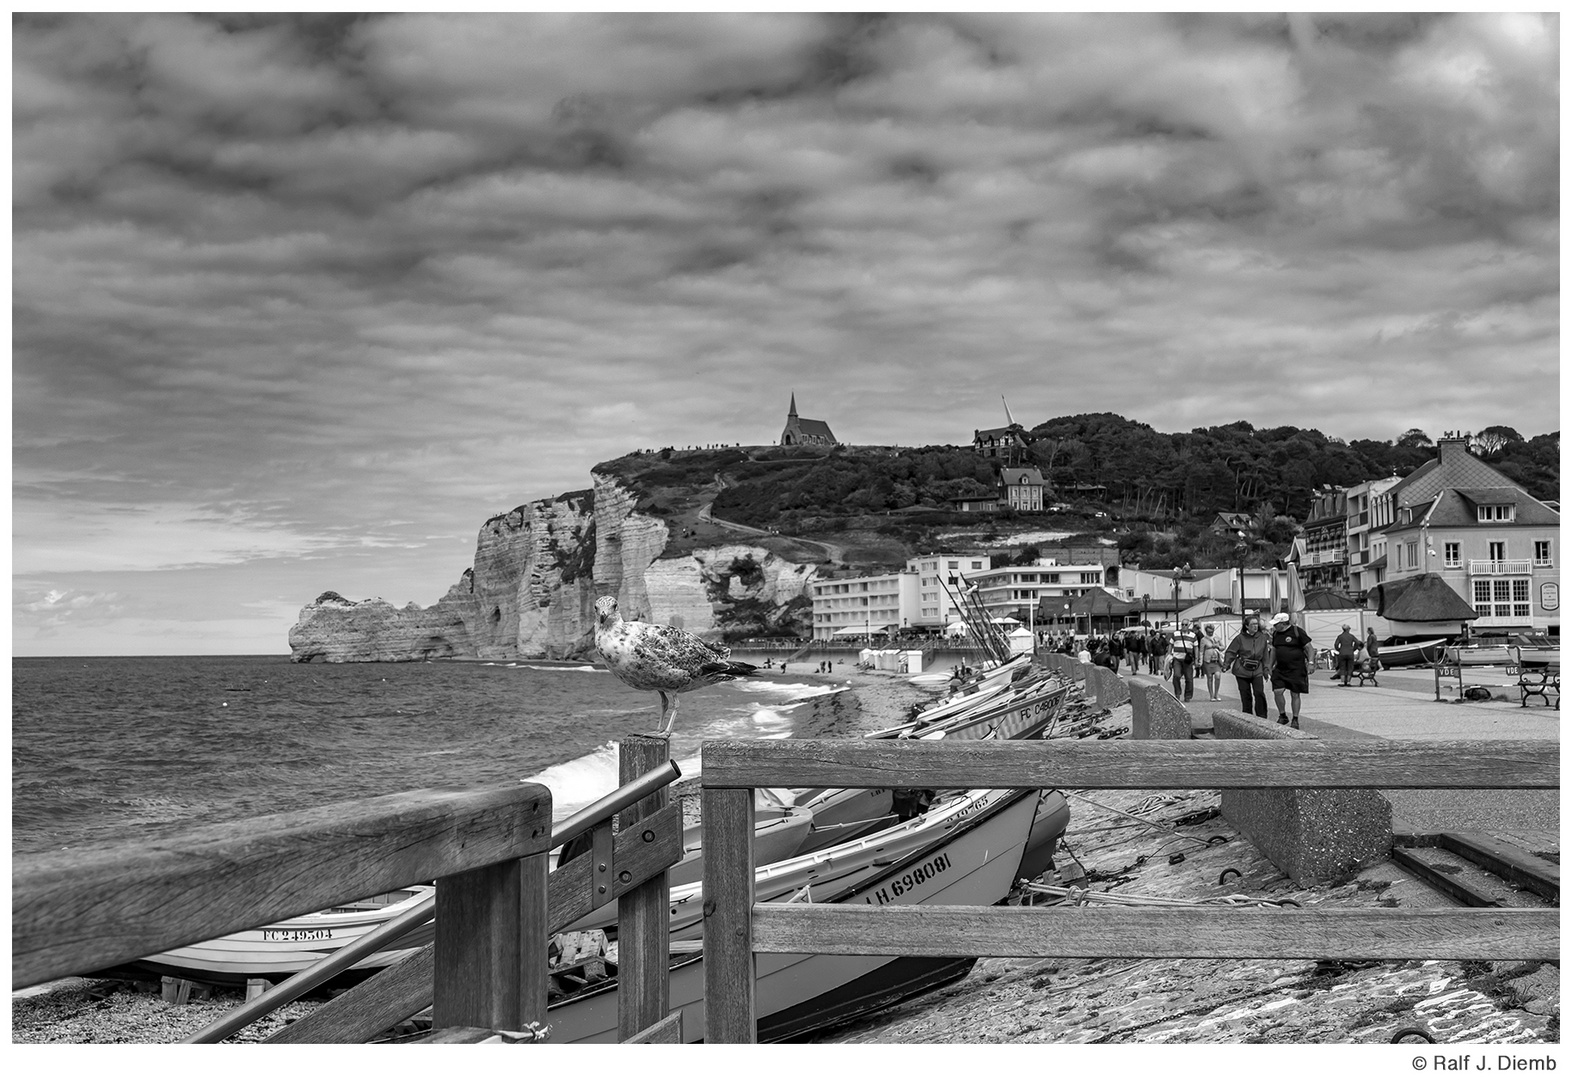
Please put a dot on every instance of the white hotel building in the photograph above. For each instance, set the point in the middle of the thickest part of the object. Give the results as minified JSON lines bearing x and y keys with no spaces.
{"x":903,"y":600}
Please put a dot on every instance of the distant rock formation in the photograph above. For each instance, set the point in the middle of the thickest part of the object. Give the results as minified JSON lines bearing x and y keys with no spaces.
{"x":334,"y":629}
{"x":538,"y":569}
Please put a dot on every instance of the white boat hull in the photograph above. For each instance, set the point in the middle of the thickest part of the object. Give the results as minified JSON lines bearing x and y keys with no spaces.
{"x":284,"y":948}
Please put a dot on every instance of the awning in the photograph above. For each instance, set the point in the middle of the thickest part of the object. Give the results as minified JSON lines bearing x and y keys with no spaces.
{"x":861,"y":631}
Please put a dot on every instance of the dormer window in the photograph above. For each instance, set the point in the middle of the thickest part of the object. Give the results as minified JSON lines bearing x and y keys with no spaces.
{"x":1497,"y":512}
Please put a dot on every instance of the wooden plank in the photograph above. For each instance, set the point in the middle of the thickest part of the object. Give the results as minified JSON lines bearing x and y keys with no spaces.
{"x":1198,"y":932}
{"x":668,"y":1030}
{"x":398,"y":992}
{"x":491,"y":946}
{"x":1243,"y":763}
{"x":363,"y":1012}
{"x":644,"y":911}
{"x":569,"y":886}
{"x":97,"y":907}
{"x":728,"y":916}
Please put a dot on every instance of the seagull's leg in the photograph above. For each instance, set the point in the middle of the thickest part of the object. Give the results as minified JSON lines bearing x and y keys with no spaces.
{"x":668,"y":712}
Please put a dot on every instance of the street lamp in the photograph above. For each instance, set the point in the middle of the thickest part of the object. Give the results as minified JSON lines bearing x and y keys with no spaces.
{"x":1145,"y":599}
{"x":1182,"y":574}
{"x":1241,"y":549}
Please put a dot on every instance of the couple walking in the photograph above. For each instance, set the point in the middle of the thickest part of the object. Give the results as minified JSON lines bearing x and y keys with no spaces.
{"x":1283,"y":655}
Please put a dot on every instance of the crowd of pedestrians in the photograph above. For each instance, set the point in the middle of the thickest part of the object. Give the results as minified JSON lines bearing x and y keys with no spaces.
{"x":1278,"y":656}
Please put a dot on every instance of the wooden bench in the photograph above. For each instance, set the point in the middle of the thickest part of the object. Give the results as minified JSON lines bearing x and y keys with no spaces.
{"x":1539,"y":682}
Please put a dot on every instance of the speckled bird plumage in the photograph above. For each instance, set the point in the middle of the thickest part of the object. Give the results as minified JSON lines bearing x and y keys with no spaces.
{"x":664,"y":659}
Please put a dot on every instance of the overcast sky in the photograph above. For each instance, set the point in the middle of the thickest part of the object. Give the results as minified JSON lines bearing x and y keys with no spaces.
{"x":299,"y":303}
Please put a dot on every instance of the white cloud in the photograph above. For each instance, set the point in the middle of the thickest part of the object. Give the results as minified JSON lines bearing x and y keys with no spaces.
{"x":422,"y":268}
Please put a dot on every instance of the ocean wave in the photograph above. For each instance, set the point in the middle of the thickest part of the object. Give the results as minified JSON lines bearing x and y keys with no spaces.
{"x":797,"y":690}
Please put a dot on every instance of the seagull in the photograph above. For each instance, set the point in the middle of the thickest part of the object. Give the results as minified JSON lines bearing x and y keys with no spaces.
{"x":664,"y":659}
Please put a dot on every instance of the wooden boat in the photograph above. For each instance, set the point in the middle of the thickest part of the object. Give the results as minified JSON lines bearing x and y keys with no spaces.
{"x":1021,"y":713}
{"x":1541,"y":653}
{"x":979,"y":844}
{"x":281,"y":949}
{"x":1411,"y":653}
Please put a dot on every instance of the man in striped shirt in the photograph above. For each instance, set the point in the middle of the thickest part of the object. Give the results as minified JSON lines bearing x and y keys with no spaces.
{"x":1184,"y":648}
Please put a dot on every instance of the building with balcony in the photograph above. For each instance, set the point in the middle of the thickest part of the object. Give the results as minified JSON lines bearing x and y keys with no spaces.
{"x":870,"y":605}
{"x":1488,"y":539}
{"x":1038,"y":589}
{"x":1323,"y":562}
{"x":939,"y":581}
{"x":1366,"y":539}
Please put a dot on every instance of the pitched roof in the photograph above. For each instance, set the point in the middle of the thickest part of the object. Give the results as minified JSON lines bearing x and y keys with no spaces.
{"x":1019,"y":476}
{"x":1328,"y":600}
{"x":1459,"y":507}
{"x":1008,"y":431}
{"x":1452,"y":467}
{"x":814,"y":427}
{"x":1102,"y":602}
{"x":1422,"y":598}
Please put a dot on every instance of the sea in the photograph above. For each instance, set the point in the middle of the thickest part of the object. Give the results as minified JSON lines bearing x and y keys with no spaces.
{"x":108,"y":749}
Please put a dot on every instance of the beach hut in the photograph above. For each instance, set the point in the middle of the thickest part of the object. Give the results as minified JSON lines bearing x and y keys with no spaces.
{"x":1021,"y":640}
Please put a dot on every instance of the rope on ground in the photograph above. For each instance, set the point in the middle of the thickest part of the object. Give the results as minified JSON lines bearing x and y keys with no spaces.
{"x":1145,"y":821}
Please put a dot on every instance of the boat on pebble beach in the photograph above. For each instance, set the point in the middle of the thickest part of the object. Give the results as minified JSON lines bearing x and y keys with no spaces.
{"x":279,"y":950}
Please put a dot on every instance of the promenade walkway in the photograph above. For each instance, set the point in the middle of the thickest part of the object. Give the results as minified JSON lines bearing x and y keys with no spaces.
{"x":1404,"y":707}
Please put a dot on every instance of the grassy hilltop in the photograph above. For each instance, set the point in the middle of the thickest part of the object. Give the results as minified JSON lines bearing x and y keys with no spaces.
{"x":871,"y":507}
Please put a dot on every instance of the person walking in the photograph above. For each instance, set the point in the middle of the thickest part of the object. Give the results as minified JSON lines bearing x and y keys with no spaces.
{"x":1211,"y":655}
{"x":1292,"y":660}
{"x":1115,"y":652}
{"x":1156,"y":649}
{"x":1137,"y":650}
{"x":1182,"y":666}
{"x":1347,"y":647}
{"x":1249,"y":657}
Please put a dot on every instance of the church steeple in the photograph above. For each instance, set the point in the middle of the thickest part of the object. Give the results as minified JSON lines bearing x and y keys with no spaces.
{"x":793,"y":410}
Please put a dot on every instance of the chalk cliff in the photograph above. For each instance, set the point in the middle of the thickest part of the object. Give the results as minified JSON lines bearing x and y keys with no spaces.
{"x":538,"y":569}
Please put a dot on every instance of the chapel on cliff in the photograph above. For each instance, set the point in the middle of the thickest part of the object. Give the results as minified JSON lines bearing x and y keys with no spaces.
{"x":803,"y":432}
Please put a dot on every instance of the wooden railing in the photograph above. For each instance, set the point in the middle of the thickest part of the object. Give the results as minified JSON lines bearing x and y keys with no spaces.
{"x":496,"y":905}
{"x":736,"y":928}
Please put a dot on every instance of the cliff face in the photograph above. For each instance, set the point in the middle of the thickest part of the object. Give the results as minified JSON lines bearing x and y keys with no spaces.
{"x":539,"y":568}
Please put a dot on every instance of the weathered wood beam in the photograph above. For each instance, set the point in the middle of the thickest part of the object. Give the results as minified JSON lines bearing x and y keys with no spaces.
{"x":400,"y":991}
{"x":1199,"y":932}
{"x":1468,"y":764}
{"x":93,"y":908}
{"x":728,"y":916}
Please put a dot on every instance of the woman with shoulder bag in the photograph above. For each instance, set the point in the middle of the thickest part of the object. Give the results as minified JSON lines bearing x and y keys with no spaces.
{"x":1249,"y":658}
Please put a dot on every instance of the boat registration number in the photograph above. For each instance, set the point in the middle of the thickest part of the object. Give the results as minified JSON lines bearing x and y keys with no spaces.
{"x":898,"y":887}
{"x":297,"y":935}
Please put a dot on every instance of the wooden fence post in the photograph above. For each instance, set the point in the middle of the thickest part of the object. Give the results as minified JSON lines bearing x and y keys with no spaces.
{"x":728,"y":916}
{"x":643,"y":913}
{"x":491,"y":946}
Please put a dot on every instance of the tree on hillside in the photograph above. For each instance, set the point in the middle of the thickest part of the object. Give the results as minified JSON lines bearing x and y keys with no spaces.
{"x":1494,"y":438}
{"x":1413,"y":437}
